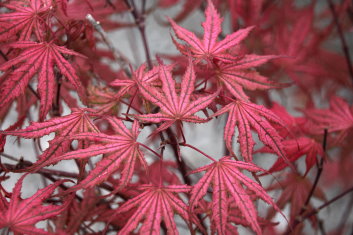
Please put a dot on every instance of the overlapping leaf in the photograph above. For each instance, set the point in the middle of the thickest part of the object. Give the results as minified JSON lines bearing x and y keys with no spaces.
{"x":209,"y":47}
{"x":27,"y":17}
{"x":338,"y":118}
{"x":174,"y":107}
{"x":139,"y":78}
{"x":122,"y":149}
{"x":82,"y":211}
{"x":76,"y":122}
{"x":38,"y":58}
{"x":228,"y":183}
{"x":21,"y":215}
{"x":246,"y":116}
{"x":154,"y":205}
{"x":296,"y":148}
{"x":295,"y":192}
{"x":235,"y":217}
{"x":105,"y":100}
{"x":238,"y":75}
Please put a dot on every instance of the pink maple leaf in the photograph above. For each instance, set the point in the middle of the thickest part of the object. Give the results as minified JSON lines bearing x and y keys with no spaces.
{"x":174,"y":107}
{"x":339,"y":117}
{"x":27,"y":16}
{"x":122,"y":149}
{"x":154,"y":205}
{"x":38,"y":58}
{"x":139,"y":78}
{"x":76,"y":122}
{"x":240,"y":74}
{"x":295,"y":193}
{"x":245,"y":115}
{"x":21,"y":215}
{"x":209,"y":47}
{"x":296,"y":148}
{"x":228,"y":183}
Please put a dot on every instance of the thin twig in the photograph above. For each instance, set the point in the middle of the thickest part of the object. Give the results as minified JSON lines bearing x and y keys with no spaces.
{"x":52,"y":172}
{"x":342,"y":38}
{"x":322,"y":228}
{"x":46,"y":173}
{"x":140,"y":22}
{"x":313,"y":188}
{"x":319,"y":171}
{"x":119,"y":57}
{"x":181,"y":164}
{"x":198,"y":150}
{"x":151,"y":150}
{"x":318,"y":209}
{"x":326,"y":204}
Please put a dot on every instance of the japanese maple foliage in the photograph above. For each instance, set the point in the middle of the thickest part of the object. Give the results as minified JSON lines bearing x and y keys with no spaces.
{"x":263,"y":77}
{"x":20,"y":215}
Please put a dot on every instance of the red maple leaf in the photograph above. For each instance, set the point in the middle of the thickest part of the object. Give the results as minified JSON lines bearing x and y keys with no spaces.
{"x":236,"y":217}
{"x":293,"y":125}
{"x":38,"y":58}
{"x":228,"y":183}
{"x":240,"y":74}
{"x":104,"y":100}
{"x":158,"y":168}
{"x":27,"y":16}
{"x":76,"y":122}
{"x":174,"y":107}
{"x":21,"y":215}
{"x":209,"y":48}
{"x":79,"y":212}
{"x":122,"y":149}
{"x":295,"y":190}
{"x":139,"y":78}
{"x":154,"y":205}
{"x":245,"y":115}
{"x":296,"y":148}
{"x":339,"y":117}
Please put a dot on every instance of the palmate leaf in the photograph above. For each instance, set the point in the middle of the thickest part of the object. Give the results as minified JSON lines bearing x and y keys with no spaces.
{"x":154,"y":205}
{"x":246,"y":116}
{"x":21,"y":215}
{"x":105,"y":101}
{"x":139,"y":78}
{"x":235,"y":217}
{"x":228,"y":183}
{"x":122,"y":149}
{"x":239,"y":75}
{"x":295,"y":193}
{"x":79,"y":212}
{"x":174,"y":107}
{"x":38,"y":58}
{"x":296,"y":148}
{"x":27,"y":17}
{"x":76,"y":122}
{"x":339,"y":117}
{"x":209,"y":48}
